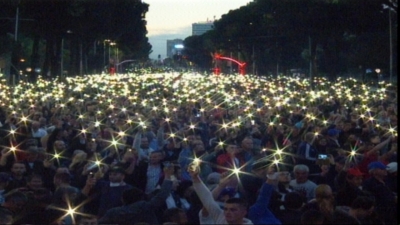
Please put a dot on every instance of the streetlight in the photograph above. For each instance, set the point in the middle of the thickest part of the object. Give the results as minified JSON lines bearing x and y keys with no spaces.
{"x":109,"y":46}
{"x":104,"y":50}
{"x":62,"y":55}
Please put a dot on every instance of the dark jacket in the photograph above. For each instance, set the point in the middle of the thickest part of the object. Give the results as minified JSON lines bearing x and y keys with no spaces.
{"x":138,"y":212}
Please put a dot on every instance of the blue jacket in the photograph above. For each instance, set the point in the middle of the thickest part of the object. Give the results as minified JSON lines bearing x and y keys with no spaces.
{"x":259,"y":213}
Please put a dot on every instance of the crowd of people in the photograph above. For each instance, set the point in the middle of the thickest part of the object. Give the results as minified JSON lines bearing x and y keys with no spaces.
{"x":193,"y":149}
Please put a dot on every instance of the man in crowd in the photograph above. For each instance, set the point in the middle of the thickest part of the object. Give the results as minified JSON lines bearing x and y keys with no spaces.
{"x":301,"y":183}
{"x":235,"y":209}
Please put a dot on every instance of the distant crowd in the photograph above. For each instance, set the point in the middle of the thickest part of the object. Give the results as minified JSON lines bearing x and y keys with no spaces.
{"x":191,"y":149}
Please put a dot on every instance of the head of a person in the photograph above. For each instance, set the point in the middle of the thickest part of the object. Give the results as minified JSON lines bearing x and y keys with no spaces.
{"x":261,"y":168}
{"x":235,"y":209}
{"x":309,"y":137}
{"x":42,"y":121}
{"x":116,"y":174}
{"x":354,"y":177}
{"x":377,"y":169}
{"x":284,"y":177}
{"x":34,"y":181}
{"x":61,"y":179}
{"x":312,"y":216}
{"x":15,"y":200}
{"x":132,"y":195}
{"x":213,"y":179}
{"x":175,"y":215}
{"x":247,"y":144}
{"x":62,"y":170}
{"x":18,"y":169}
{"x":374,"y":139}
{"x":300,"y":172}
{"x":86,"y":219}
{"x":323,"y":192}
{"x":59,"y":146}
{"x":333,"y":133}
{"x":363,"y":206}
{"x":35,"y":125}
{"x":293,"y":200}
{"x":156,"y":157}
{"x":231,"y":148}
{"x":340,"y":161}
{"x":32,"y":153}
{"x":144,"y":142}
{"x":65,"y":195}
{"x":322,"y":142}
{"x":198,"y":146}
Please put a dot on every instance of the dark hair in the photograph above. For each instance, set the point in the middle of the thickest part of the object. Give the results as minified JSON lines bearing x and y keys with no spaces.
{"x":132,"y":195}
{"x":15,"y":196}
{"x":311,"y":217}
{"x":34,"y":175}
{"x":172,"y":214}
{"x":240,"y":201}
{"x":64,"y":177}
{"x":183,"y":186}
{"x":293,"y":200}
{"x":363,"y":202}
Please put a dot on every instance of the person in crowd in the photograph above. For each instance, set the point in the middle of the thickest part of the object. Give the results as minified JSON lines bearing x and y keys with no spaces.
{"x":307,"y":153}
{"x":172,"y":149}
{"x":228,"y":160}
{"x":15,"y":202}
{"x":386,"y":205}
{"x":361,"y":208}
{"x":135,"y":208}
{"x":247,"y":153}
{"x":106,"y":194}
{"x":37,"y":131}
{"x":333,"y":138}
{"x":351,"y":188}
{"x":301,"y":183}
{"x":312,"y":216}
{"x":147,"y":174}
{"x":291,"y":213}
{"x":175,"y":216}
{"x":64,"y":198}
{"x":142,"y":144}
{"x":235,"y":209}
{"x":18,"y":176}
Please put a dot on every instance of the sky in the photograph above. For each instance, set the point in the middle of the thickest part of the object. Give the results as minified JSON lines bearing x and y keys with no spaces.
{"x":172,"y":19}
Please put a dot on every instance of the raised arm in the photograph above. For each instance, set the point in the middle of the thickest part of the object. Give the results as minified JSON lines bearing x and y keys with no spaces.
{"x":204,"y":194}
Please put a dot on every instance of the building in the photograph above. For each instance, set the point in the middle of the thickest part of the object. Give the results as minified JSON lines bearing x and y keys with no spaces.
{"x":202,"y":27}
{"x":174,"y":47}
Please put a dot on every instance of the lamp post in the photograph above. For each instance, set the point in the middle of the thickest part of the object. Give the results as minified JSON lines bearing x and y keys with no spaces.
{"x":62,"y":55}
{"x":109,"y":48}
{"x":104,"y":50}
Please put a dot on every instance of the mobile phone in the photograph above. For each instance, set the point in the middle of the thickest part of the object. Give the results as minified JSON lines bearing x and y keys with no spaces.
{"x":322,"y":156}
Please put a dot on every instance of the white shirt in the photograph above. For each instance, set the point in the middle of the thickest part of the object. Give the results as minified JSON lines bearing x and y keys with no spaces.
{"x":153,"y":176}
{"x":39,"y":133}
